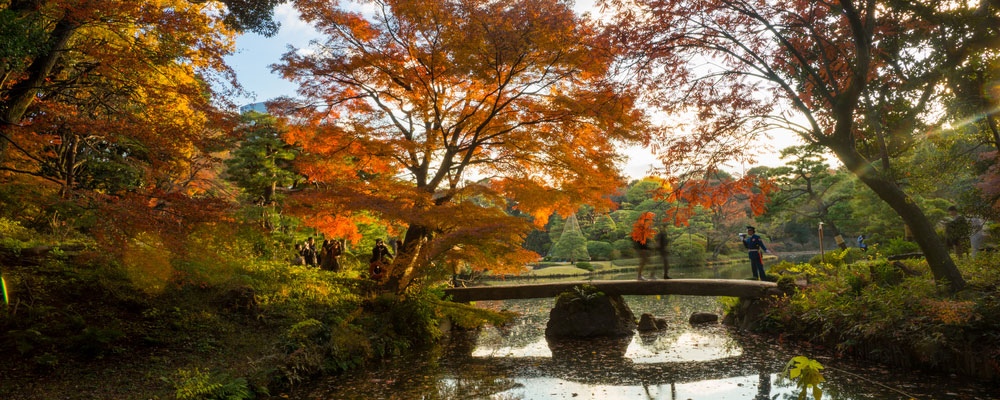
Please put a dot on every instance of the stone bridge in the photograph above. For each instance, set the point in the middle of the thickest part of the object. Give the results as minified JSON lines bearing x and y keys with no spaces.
{"x":685,"y":287}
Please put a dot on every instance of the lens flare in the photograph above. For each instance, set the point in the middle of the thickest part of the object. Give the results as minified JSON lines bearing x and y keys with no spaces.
{"x":3,"y":288}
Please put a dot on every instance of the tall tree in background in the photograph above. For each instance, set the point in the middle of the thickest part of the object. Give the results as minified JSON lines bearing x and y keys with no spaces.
{"x":405,"y":103}
{"x":809,"y":187}
{"x":262,"y":163}
{"x":855,"y":77}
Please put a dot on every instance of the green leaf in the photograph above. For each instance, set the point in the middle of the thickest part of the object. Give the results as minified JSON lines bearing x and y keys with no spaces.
{"x":817,"y":393}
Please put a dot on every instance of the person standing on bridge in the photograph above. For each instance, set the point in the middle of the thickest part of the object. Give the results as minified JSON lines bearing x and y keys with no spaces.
{"x":755,"y":248}
{"x":642,"y":250}
{"x":663,"y":249}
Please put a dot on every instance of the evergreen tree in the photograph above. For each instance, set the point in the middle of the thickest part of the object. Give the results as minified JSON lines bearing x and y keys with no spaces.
{"x":572,"y":244}
{"x":605,"y":228}
{"x":262,"y":163}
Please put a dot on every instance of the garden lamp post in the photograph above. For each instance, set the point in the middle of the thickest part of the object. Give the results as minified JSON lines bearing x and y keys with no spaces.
{"x":821,"y":256}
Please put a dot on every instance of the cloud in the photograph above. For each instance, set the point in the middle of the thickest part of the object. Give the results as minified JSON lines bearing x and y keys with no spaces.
{"x":292,"y":22}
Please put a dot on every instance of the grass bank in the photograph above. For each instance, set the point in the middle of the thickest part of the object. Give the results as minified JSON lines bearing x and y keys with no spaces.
{"x":894,"y":313}
{"x":225,"y":319}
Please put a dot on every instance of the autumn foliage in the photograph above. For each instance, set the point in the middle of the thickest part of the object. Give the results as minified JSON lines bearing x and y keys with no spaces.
{"x":859,"y":78}
{"x":435,"y":116}
{"x":113,"y":105}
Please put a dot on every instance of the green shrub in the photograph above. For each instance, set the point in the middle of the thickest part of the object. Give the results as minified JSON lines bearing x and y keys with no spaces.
{"x":585,"y":265}
{"x":884,"y":273}
{"x":898,"y":246}
{"x":580,"y":296}
{"x":195,"y":384}
{"x":787,"y":285}
{"x":625,"y":247}
{"x":13,"y":230}
{"x":304,"y":334}
{"x":601,"y":251}
{"x":690,"y":249}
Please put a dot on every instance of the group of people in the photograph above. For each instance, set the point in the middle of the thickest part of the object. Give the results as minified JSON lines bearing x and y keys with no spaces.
{"x":326,"y":257}
{"x":662,"y":248}
{"x":753,"y":243}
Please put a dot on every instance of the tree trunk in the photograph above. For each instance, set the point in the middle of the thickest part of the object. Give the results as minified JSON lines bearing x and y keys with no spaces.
{"x":401,"y":271}
{"x":17,"y":100}
{"x":69,"y":166}
{"x":930,"y":243}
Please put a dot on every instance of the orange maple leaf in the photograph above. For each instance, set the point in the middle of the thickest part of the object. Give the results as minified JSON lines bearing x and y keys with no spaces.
{"x":643,"y":230}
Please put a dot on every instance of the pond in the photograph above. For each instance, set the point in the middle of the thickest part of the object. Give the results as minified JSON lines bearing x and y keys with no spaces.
{"x":682,"y":362}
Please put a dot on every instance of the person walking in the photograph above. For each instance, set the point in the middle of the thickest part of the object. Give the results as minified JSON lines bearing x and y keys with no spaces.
{"x":755,"y":247}
{"x":642,"y":250}
{"x":663,"y":249}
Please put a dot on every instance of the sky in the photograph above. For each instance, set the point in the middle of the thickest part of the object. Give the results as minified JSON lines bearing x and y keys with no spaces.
{"x":256,"y":53}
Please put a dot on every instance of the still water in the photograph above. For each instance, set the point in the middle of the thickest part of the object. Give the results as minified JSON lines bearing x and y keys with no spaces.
{"x":681,"y":362}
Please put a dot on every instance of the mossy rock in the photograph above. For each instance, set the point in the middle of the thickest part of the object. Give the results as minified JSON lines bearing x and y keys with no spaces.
{"x":584,"y":312}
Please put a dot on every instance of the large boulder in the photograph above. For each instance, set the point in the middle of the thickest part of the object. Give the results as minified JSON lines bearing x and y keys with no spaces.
{"x":699,"y":318}
{"x":586,"y":312}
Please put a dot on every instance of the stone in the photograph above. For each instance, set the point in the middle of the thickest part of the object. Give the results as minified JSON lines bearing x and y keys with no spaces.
{"x":647,"y":323}
{"x":699,"y":318}
{"x":585,"y":312}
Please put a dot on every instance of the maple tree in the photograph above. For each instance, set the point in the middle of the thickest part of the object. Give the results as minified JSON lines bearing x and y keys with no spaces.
{"x":115,"y":104}
{"x":402,"y":106}
{"x":855,"y":77}
{"x":51,"y":47}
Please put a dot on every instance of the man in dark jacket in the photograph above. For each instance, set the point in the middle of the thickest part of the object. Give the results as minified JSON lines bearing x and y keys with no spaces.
{"x":755,"y":249}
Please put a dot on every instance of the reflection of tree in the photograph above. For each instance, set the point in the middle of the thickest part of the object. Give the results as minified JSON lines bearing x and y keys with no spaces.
{"x":525,"y":330}
{"x":763,"y":386}
{"x":476,"y":382}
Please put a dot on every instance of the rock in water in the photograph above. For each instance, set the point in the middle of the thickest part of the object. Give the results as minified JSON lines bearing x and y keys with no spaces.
{"x":647,"y":323}
{"x":703,"y":318}
{"x":586,"y":312}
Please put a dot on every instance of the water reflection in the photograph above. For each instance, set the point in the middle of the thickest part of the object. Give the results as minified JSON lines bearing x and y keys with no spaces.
{"x":682,"y":362}
{"x":687,"y":346}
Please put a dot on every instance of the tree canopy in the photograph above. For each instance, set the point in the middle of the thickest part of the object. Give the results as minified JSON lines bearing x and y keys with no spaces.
{"x":860,"y":78}
{"x":402,"y":107}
